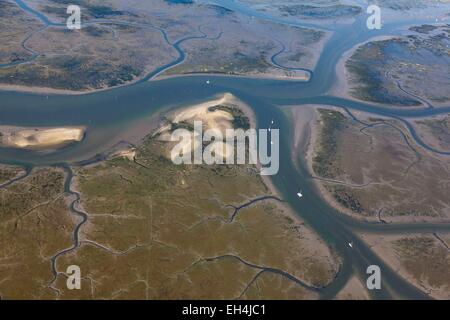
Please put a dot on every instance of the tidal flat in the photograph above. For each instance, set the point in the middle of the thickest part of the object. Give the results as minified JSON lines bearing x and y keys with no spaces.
{"x":120,"y":218}
{"x":392,"y":71}
{"x":423,"y":259}
{"x":435,"y":131}
{"x":121,"y":44}
{"x":35,"y":224}
{"x":161,"y":231}
{"x":372,"y":169}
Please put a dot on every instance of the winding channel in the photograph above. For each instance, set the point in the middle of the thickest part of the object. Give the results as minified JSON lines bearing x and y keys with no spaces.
{"x":81,"y":216}
{"x":48,"y":23}
{"x":108,"y":112}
